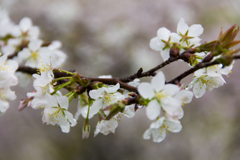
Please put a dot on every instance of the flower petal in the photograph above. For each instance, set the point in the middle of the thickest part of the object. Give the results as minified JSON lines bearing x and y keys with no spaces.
{"x":158,"y":81}
{"x":171,"y":89}
{"x":163,"y":33}
{"x":156,"y":44}
{"x":165,"y":54}
{"x":153,"y":110}
{"x":199,"y":89}
{"x":146,"y":90}
{"x":158,"y":135}
{"x":25,"y":24}
{"x":182,"y":27}
{"x":147,"y":134}
{"x":112,"y":89}
{"x":173,"y":125}
{"x":195,"y":30}
{"x":95,"y":94}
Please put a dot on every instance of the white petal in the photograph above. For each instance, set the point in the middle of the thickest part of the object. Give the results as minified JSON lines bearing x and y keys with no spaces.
{"x":112,"y":89}
{"x":96,"y":106}
{"x":153,"y":110}
{"x":163,"y":33}
{"x":51,"y":100}
{"x":195,"y":30}
{"x":173,"y":126}
{"x":171,"y":89}
{"x":146,"y":90}
{"x":175,"y":37}
{"x":199,"y":89}
{"x":129,"y":111}
{"x":70,"y":118}
{"x":3,"y":106}
{"x":156,"y":44}
{"x":34,"y":45}
{"x":165,"y":54}
{"x":158,"y":81}
{"x":171,"y":105}
{"x":95,"y":94}
{"x":62,"y":101}
{"x":65,"y":128}
{"x":158,"y":123}
{"x":33,"y":32}
{"x":105,"y":76}
{"x":182,"y":27}
{"x":158,"y":135}
{"x":25,"y":24}
{"x":147,"y":134}
{"x":185,"y":96}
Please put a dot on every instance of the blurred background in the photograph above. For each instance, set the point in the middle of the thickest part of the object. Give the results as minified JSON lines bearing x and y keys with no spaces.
{"x":112,"y":37}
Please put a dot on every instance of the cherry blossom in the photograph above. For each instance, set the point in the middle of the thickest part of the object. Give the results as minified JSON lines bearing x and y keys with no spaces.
{"x":159,"y":128}
{"x":161,"y":95}
{"x":56,"y":113}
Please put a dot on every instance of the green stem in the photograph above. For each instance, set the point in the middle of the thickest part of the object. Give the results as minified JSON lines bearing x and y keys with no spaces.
{"x":60,"y":87}
{"x":64,"y":71}
{"x":70,"y":98}
{"x":58,"y":79}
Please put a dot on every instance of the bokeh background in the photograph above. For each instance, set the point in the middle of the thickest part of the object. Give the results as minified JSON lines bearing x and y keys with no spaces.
{"x":112,"y":37}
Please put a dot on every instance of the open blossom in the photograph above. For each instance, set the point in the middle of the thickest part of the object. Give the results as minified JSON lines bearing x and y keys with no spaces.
{"x":43,"y":82}
{"x":7,"y":79}
{"x":25,"y":29}
{"x":158,"y":45}
{"x":5,"y":95}
{"x":56,"y":113}
{"x":161,"y":95}
{"x":185,"y":36}
{"x":6,"y":24}
{"x":208,"y":78}
{"x":159,"y":128}
{"x":105,"y":127}
{"x":7,"y":70}
{"x":193,"y":32}
{"x":61,"y":57}
{"x":104,"y":97}
{"x":31,"y":55}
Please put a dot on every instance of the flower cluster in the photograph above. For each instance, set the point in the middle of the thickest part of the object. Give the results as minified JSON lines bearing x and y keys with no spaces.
{"x":111,"y":98}
{"x":185,"y":38}
{"x":167,"y":98}
{"x":7,"y":79}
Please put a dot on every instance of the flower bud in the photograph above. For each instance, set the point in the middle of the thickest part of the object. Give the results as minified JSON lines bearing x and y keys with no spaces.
{"x":85,"y":131}
{"x":174,"y":51}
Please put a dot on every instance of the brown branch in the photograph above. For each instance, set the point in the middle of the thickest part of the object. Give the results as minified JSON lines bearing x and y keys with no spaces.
{"x":192,"y":70}
{"x":150,"y":72}
{"x":114,"y":81}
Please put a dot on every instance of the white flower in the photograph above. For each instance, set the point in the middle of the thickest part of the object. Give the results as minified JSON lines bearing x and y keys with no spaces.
{"x":184,"y":96}
{"x":194,"y":31}
{"x":6,"y":24}
{"x":7,"y":70}
{"x":56,"y":113}
{"x":161,"y":95}
{"x":104,"y":97}
{"x":5,"y":95}
{"x":159,"y":128}
{"x":11,"y":46}
{"x":105,"y":127}
{"x":208,"y":78}
{"x":60,"y":55}
{"x":32,"y":54}
{"x":82,"y":107}
{"x":25,"y":29}
{"x":42,"y":83}
{"x":158,"y":45}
